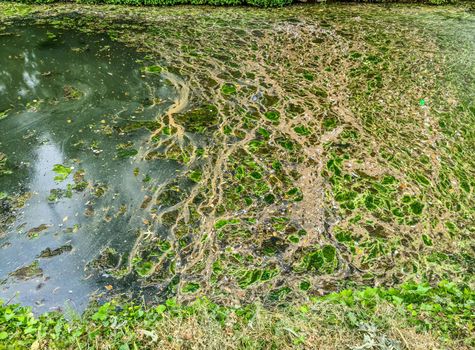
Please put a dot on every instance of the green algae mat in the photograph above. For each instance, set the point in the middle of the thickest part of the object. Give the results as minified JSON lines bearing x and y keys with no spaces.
{"x":240,"y":154}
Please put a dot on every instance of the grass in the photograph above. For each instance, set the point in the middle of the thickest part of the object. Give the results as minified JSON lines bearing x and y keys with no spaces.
{"x":257,"y":3}
{"x":413,"y":316}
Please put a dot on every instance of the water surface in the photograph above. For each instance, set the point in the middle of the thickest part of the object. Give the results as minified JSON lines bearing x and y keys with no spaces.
{"x":68,"y":101}
{"x":321,"y":148}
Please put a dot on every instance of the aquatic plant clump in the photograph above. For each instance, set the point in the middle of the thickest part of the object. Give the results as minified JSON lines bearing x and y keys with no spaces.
{"x":316,"y":149}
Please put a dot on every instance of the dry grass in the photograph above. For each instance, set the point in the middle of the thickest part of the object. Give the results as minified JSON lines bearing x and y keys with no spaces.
{"x":322,"y":327}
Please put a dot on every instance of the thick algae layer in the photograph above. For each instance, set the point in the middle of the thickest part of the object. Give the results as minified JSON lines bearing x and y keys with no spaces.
{"x":323,"y":146}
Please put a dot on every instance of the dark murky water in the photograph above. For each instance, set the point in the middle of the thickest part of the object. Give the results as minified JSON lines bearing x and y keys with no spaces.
{"x":63,"y":98}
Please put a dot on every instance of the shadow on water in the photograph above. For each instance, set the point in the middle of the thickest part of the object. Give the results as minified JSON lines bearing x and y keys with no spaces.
{"x":71,"y":110}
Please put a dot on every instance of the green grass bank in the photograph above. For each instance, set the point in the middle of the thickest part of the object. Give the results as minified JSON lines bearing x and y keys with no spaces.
{"x":258,"y":3}
{"x":412,"y":316}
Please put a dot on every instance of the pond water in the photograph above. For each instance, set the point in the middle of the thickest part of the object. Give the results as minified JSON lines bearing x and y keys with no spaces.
{"x":74,"y":112}
{"x":243,"y":154}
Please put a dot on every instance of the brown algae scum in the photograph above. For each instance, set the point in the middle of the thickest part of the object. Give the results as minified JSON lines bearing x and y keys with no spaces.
{"x":308,"y":149}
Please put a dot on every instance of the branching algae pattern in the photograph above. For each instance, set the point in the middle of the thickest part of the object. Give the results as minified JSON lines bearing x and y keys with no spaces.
{"x":243,"y":154}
